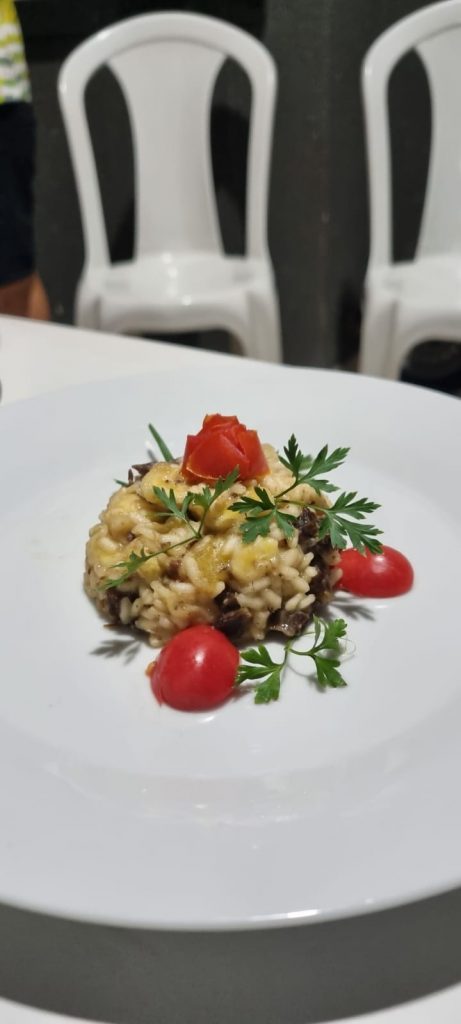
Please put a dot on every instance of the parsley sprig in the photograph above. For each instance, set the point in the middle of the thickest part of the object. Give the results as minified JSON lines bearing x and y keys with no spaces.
{"x":306,"y":470}
{"x":260,"y":513}
{"x":325,"y":653}
{"x":204,"y":499}
{"x":134,"y":562}
{"x":343,"y":521}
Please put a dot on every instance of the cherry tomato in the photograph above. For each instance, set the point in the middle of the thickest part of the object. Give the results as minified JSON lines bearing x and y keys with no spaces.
{"x":385,"y":575}
{"x":196,"y":670}
{"x":222,"y":444}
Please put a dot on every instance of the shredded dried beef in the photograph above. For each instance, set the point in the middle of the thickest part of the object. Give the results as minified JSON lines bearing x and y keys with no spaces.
{"x":141,"y":468}
{"x":232,"y":619}
{"x":307,"y":527}
{"x":172,"y":569}
{"x":113,"y":604}
{"x":293,"y":623}
{"x":289,"y":623}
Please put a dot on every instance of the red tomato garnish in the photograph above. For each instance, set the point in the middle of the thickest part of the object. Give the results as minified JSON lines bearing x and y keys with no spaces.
{"x":222,"y":444}
{"x":196,"y":669}
{"x":214,"y":421}
{"x":385,"y":575}
{"x":215,"y":455}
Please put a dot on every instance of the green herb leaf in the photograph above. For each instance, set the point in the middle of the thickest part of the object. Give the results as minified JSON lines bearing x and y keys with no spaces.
{"x":270,"y":689}
{"x":306,"y":470}
{"x":256,"y":526}
{"x":122,"y":483}
{"x":130,"y":566}
{"x":252,"y":506}
{"x":259,"y":656}
{"x":163,"y":447}
{"x":260,"y":513}
{"x":293,"y":456}
{"x":343,"y":523}
{"x":333,"y":633}
{"x":168,"y":500}
{"x":257,"y":666}
{"x":207,"y":496}
{"x":323,"y":463}
{"x":285,"y":522}
{"x":325,"y":650}
{"x":306,"y":462}
{"x":327,"y":672}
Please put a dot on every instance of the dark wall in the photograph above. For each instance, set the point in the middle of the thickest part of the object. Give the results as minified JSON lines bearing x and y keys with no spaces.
{"x":318,"y":209}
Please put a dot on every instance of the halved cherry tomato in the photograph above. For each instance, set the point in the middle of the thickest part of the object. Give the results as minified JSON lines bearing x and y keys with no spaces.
{"x":385,"y":575}
{"x":196,"y":669}
{"x":222,"y":444}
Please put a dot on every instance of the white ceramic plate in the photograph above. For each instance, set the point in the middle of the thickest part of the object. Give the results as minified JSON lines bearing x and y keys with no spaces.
{"x":324,"y":804}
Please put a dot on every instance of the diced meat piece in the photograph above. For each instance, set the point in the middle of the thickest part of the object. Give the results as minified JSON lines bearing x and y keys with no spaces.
{"x":113,"y":604}
{"x":289,"y":623}
{"x":142,"y":467}
{"x":233,"y":620}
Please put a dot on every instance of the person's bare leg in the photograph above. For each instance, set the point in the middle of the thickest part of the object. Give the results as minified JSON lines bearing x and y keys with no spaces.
{"x":14,"y":297}
{"x":38,"y":305}
{"x":25,"y":298}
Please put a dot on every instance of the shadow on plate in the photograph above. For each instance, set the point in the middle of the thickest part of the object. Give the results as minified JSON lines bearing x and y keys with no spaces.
{"x":125,"y":646}
{"x":346,"y":604}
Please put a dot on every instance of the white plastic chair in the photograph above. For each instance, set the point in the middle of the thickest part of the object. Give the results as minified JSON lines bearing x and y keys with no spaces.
{"x":409,"y":302}
{"x":180,"y":278}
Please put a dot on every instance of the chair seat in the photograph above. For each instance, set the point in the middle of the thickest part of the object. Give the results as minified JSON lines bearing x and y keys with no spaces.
{"x":176,"y":279}
{"x":407,"y":303}
{"x":185,"y":292}
{"x":429,"y":283}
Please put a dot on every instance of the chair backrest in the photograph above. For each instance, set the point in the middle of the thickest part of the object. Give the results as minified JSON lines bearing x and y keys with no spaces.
{"x":435,"y":34}
{"x":166,"y":65}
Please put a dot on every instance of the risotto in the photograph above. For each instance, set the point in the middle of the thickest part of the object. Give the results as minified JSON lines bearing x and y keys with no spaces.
{"x":245,"y":589}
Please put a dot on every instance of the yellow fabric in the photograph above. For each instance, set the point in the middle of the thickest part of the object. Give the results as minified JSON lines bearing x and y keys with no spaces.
{"x":8,"y":12}
{"x":14,"y":75}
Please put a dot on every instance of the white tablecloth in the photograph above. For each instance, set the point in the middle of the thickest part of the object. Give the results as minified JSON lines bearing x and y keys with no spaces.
{"x":75,"y":968}
{"x":37,"y":357}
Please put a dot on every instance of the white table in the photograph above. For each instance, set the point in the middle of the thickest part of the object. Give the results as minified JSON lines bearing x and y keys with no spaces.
{"x":117,"y":975}
{"x":37,"y":357}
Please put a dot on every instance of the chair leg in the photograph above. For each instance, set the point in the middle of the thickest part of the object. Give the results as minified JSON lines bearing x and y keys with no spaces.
{"x":398,"y":351}
{"x":376,"y":337}
{"x":264,"y":341}
{"x":86,"y":310}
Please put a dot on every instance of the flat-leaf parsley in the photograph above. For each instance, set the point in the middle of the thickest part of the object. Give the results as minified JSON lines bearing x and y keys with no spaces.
{"x":325,"y":652}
